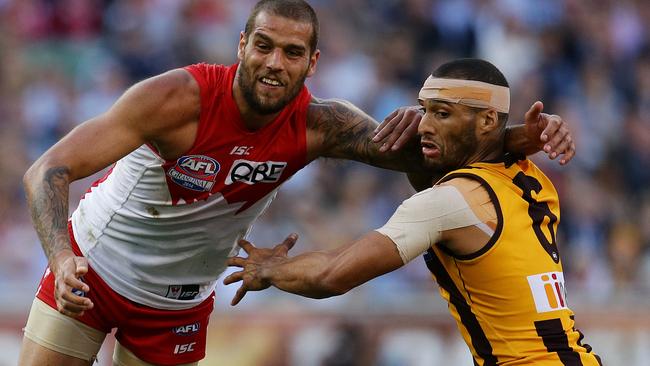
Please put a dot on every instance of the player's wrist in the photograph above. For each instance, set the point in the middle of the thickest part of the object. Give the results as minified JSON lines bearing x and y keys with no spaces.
{"x":266,"y":275}
{"x":59,"y":258}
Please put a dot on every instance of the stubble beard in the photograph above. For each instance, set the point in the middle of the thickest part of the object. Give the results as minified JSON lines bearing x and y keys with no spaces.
{"x":462,"y":148}
{"x":246,"y":84}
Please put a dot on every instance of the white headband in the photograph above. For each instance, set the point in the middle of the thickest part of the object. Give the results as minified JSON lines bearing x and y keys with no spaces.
{"x":467,"y":92}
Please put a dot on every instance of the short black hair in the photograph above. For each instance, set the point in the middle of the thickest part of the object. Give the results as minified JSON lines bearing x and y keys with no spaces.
{"x":298,"y":10}
{"x":473,"y":69}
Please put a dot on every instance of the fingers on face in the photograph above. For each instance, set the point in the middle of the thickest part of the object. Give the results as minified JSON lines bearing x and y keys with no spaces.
{"x":397,"y":133}
{"x":388,"y":126}
{"x":391,"y":116}
{"x":404,"y":129}
{"x":388,"y":119}
{"x":411,"y":131}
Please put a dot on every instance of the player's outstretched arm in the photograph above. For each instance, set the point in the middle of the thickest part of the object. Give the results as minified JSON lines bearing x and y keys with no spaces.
{"x":314,"y":274}
{"x":142,"y":114}
{"x":338,"y":129}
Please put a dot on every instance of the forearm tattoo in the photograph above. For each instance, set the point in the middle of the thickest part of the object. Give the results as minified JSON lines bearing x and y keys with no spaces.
{"x":48,"y":203}
{"x":347,"y":133}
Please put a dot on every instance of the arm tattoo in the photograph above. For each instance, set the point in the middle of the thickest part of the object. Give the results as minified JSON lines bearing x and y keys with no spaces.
{"x":346,"y":132}
{"x":48,"y":201}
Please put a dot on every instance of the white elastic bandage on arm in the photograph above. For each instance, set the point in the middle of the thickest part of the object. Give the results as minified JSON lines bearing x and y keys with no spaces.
{"x":420,"y":220}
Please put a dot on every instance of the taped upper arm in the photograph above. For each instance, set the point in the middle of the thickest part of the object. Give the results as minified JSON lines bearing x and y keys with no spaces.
{"x":477,"y":197}
{"x":421,"y":220}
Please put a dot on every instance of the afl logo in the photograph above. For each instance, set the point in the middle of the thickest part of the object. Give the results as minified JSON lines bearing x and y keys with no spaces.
{"x":186,"y":330}
{"x":195,"y":172}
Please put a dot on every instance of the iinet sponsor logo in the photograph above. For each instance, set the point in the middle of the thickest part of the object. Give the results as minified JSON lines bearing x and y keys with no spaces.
{"x":548,"y":291}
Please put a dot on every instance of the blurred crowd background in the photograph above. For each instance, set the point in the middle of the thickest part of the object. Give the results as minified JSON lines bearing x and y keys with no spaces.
{"x":64,"y":61}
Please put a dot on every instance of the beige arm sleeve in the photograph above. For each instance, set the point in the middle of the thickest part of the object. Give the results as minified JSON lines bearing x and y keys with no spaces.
{"x":420,"y":220}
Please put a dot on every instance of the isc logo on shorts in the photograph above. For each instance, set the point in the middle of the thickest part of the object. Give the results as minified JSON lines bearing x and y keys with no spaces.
{"x":184,"y":348}
{"x":548,"y":291}
{"x":251,"y":172}
{"x":186,"y":330}
{"x":182,"y":292}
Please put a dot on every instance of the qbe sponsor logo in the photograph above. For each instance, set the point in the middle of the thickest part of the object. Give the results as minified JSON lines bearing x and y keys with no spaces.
{"x":184,"y":348}
{"x":251,"y":172}
{"x":195,"y":172}
{"x":548,"y":291}
{"x":187,"y":329}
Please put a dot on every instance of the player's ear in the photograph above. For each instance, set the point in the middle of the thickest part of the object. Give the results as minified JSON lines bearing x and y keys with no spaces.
{"x":241,"y":46}
{"x":488,"y":121}
{"x":313,"y":60}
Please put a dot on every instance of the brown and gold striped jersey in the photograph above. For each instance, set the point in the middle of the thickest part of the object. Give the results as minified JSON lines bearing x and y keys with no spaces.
{"x":509,"y":298}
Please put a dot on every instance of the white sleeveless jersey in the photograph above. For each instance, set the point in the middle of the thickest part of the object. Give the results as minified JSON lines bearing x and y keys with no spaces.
{"x":159,"y":232}
{"x":144,"y":247}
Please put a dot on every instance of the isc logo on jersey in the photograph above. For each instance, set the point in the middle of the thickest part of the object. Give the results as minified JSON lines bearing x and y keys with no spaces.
{"x":548,"y":291}
{"x":251,"y":172}
{"x":195,"y":172}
